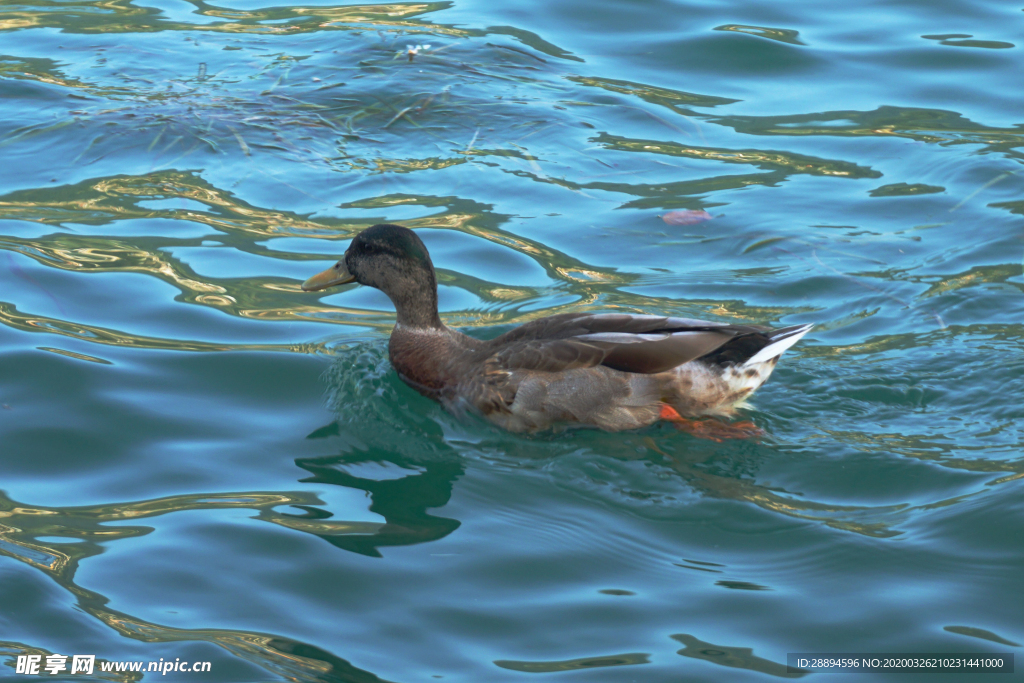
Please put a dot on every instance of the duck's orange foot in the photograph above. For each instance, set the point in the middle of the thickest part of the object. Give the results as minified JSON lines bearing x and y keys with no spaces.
{"x":710,"y":428}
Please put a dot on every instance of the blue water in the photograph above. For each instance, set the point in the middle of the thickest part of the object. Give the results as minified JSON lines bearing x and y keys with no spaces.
{"x":201,"y":462}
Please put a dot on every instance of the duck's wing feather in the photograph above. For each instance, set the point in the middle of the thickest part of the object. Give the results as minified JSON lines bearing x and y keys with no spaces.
{"x":654,"y":352}
{"x":567,"y":325}
{"x":630,"y":343}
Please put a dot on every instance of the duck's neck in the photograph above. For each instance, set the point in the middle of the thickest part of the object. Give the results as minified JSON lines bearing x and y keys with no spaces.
{"x":416,"y":302}
{"x":419,"y":312}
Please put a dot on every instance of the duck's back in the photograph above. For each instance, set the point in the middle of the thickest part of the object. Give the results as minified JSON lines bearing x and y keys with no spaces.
{"x":612,"y":371}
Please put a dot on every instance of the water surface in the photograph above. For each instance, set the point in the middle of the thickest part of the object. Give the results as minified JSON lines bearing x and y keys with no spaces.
{"x":200,"y":461}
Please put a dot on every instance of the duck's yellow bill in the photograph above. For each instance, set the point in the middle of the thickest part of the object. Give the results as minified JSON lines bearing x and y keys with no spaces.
{"x":335,"y":275}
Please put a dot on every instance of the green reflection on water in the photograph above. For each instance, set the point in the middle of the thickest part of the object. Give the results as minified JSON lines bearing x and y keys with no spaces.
{"x":732,"y":657}
{"x":598,"y":662}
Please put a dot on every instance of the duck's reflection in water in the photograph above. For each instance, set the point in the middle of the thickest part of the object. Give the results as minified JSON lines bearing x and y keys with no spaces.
{"x":402,"y":502}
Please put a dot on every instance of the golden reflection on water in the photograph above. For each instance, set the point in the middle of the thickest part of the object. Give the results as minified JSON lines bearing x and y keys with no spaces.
{"x":13,"y":649}
{"x":922,"y":125}
{"x":767,"y":159}
{"x":43,"y":71}
{"x":666,"y":97}
{"x":76,"y":356}
{"x":21,"y":527}
{"x":782,"y":35}
{"x":978,"y":275}
{"x":121,"y":16}
{"x":10,"y":316}
{"x":107,"y":201}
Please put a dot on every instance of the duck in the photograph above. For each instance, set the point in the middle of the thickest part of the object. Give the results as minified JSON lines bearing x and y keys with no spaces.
{"x":610,"y":371}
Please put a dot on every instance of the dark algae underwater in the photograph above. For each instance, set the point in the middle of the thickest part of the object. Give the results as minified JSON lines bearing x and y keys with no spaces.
{"x":211,"y":475}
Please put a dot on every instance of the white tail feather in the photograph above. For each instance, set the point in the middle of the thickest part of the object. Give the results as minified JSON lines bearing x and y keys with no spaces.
{"x":778,"y":347}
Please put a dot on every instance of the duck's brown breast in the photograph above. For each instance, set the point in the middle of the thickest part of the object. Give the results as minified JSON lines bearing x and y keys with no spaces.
{"x":432,"y":361}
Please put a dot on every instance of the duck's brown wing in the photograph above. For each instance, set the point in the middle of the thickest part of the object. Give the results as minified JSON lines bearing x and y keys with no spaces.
{"x":630,"y":343}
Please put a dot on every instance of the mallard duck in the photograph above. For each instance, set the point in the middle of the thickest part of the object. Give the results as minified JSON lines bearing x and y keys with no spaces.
{"x":613,"y":371}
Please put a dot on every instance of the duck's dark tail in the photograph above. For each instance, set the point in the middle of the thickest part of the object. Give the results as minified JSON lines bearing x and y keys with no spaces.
{"x":779,"y":341}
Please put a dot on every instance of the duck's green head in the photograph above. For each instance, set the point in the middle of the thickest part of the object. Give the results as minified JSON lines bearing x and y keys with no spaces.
{"x":394,"y":260}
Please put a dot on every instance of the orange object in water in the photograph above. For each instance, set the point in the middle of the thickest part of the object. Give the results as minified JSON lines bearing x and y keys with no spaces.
{"x":710,"y":429}
{"x":669,"y":413}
